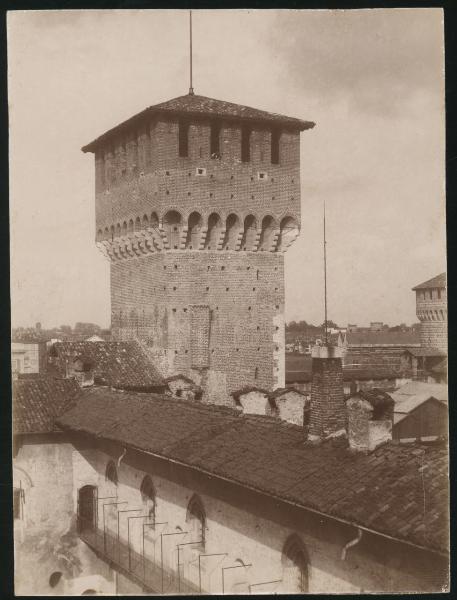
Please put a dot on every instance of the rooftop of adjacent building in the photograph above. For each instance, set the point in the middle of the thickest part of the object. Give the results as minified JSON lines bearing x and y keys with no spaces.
{"x":436,"y":282}
{"x":420,"y":389}
{"x":382,"y":491}
{"x":117,"y":364}
{"x":199,"y":106}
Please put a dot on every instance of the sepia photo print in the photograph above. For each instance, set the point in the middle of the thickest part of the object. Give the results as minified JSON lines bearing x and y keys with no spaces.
{"x":229,"y":301}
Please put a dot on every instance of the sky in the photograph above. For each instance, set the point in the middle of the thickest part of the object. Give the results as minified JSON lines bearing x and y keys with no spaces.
{"x":372,"y":80}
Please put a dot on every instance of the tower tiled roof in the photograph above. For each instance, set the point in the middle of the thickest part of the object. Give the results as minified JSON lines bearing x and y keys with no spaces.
{"x":192,"y":104}
{"x":396,"y":490}
{"x":436,"y":282}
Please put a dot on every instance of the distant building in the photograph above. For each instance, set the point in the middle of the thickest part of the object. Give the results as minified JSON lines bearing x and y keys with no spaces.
{"x":28,"y":357}
{"x":95,"y":338}
{"x":431,"y":310}
{"x":376,"y":326}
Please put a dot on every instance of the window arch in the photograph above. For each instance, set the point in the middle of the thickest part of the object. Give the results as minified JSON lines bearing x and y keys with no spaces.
{"x":137,"y":224}
{"x":172,"y":225}
{"x":289,"y":230}
{"x":148,"y":497}
{"x":232,"y":232}
{"x":130,"y":226}
{"x":196,"y":518}
{"x":111,"y":473}
{"x":214,"y":231}
{"x":250,"y":233}
{"x":194,"y":231}
{"x":295,"y":566}
{"x":269,"y":229}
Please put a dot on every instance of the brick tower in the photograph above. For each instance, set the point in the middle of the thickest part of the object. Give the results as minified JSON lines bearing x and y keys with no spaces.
{"x":196,"y":202}
{"x":431,"y":310}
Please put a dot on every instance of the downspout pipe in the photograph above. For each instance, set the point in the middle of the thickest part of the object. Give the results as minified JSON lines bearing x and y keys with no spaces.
{"x":121,"y":457}
{"x":351,"y":543}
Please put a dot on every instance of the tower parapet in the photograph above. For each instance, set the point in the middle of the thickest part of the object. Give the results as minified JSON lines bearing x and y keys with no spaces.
{"x":431,"y":310}
{"x":196,"y":202}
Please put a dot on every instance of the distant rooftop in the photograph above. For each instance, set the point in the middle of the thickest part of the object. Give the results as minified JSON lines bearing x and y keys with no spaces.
{"x":194,"y":105}
{"x":421,"y":389}
{"x":436,"y":282}
{"x":382,"y":338}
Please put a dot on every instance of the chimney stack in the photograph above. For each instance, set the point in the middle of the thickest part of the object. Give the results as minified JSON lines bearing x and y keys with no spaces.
{"x":328,"y":410}
{"x":370,"y":417}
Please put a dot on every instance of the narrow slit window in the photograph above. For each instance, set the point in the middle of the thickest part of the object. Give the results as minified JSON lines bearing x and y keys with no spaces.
{"x":245,"y":144}
{"x":275,"y":147}
{"x":183,"y":138}
{"x":215,"y":140}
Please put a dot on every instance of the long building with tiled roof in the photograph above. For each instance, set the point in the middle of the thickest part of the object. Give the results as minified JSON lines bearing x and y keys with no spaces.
{"x":382,"y":492}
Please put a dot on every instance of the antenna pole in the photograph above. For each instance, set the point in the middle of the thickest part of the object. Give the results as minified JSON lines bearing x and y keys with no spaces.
{"x":325,"y":283}
{"x":191,"y":89}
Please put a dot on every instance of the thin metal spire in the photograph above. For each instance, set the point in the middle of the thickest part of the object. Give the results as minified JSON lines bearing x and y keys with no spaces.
{"x":325,"y":282}
{"x":191,"y":89}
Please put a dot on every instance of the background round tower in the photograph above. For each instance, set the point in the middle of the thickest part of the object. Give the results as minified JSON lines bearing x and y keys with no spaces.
{"x":431,"y":310}
{"x":196,"y":202}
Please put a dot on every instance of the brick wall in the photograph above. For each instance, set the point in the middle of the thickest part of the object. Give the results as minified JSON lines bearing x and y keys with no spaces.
{"x":328,"y":413}
{"x":151,"y":299}
{"x":431,"y":310}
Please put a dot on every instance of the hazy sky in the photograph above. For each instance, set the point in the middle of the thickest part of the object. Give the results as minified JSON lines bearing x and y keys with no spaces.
{"x":372,"y":80}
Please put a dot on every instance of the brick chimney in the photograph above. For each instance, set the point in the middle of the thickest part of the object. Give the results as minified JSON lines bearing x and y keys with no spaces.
{"x":370,"y":417}
{"x":328,"y":410}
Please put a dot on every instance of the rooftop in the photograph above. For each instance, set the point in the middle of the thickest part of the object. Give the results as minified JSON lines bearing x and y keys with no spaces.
{"x":117,"y":364}
{"x":39,"y":400}
{"x":200,"y":106}
{"x":406,"y":405}
{"x":436,"y":282}
{"x":420,"y":388}
{"x":382,"y":338}
{"x":425,"y":352}
{"x":399,"y":491}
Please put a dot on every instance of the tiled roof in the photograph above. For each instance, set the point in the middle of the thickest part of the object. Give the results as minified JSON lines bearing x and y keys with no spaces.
{"x":383,"y":338}
{"x":425,"y":352}
{"x":421,"y":388}
{"x":247,"y":389}
{"x":203,"y":106}
{"x":400,"y":491}
{"x":377,"y":398}
{"x":436,"y":282}
{"x":38,"y":400}
{"x":117,"y":364}
{"x":409,"y":403}
{"x":281,"y":391}
{"x":305,"y":376}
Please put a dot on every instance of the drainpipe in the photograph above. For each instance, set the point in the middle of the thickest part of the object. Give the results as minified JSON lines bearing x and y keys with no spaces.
{"x":121,"y":457}
{"x":351,"y":543}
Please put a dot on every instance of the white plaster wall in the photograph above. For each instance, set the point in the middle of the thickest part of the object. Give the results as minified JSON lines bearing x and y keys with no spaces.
{"x":290,"y":407}
{"x":244,"y":537}
{"x":254,"y":403}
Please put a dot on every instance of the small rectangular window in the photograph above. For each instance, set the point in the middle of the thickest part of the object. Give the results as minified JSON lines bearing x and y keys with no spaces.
{"x":183,"y":138}
{"x":215,"y":150}
{"x":245,"y":144}
{"x":439,"y":294}
{"x":275,"y":147}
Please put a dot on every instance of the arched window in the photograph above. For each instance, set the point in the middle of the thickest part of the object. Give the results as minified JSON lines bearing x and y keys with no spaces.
{"x":214,"y":232}
{"x":111,"y":472}
{"x":295,"y":566}
{"x":289,"y":230}
{"x":194,"y":231}
{"x":197,"y":520}
{"x":172,"y":226}
{"x":232,"y":232}
{"x":148,"y":497}
{"x":250,"y":233}
{"x":269,"y":229}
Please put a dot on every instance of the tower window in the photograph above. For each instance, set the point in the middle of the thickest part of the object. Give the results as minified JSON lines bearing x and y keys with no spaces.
{"x":245,"y":144}
{"x":215,"y":140}
{"x":183,"y":138}
{"x":275,"y":147}
{"x":439,"y":294}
